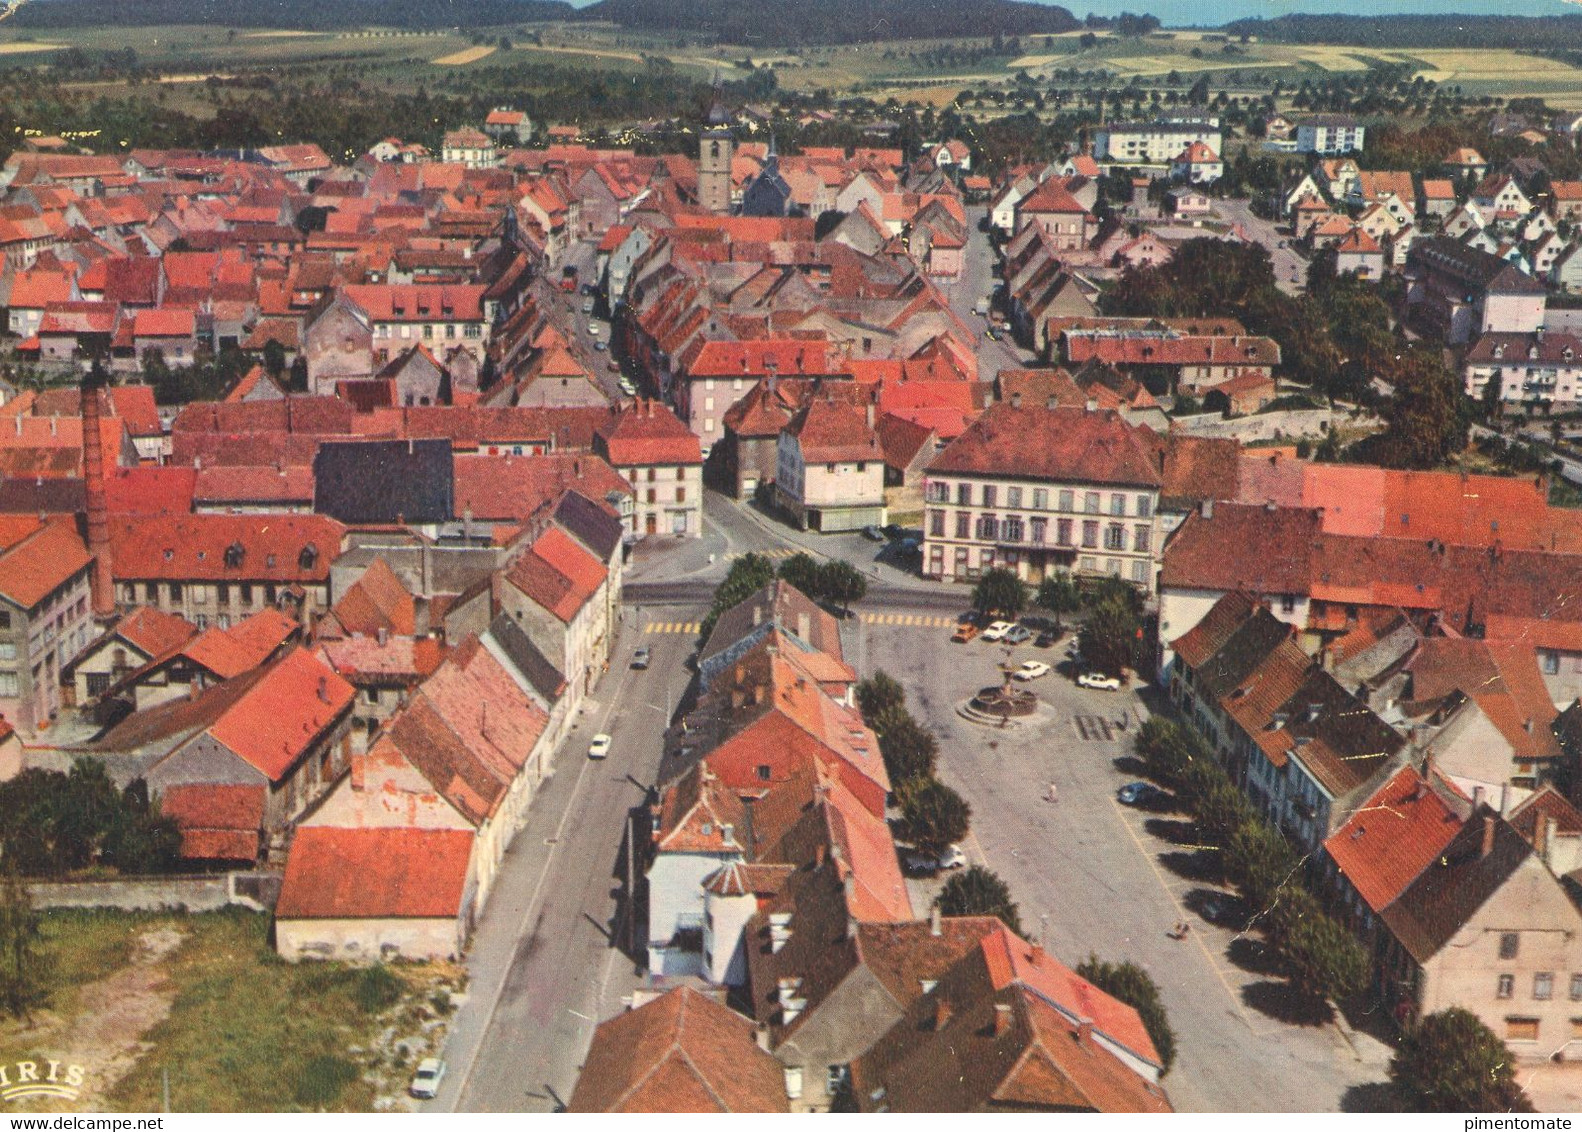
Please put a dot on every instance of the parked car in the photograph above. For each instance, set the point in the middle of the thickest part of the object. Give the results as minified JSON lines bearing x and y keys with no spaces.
{"x":997,"y":631}
{"x":873,"y":533}
{"x":425,"y":1082}
{"x":587,"y":305}
{"x":919,"y":862}
{"x":965,"y":631}
{"x":613,"y":366}
{"x":600,"y":747}
{"x":598,"y":344}
{"x":640,"y":657}
{"x":627,"y":387}
{"x":1046,"y":639}
{"x":894,"y":530}
{"x":1139,"y":793}
{"x":1100,"y":681}
{"x":1018,"y":635}
{"x":1031,"y":670}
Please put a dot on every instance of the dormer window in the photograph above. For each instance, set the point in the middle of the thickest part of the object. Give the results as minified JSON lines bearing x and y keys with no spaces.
{"x":234,"y":555}
{"x":309,"y":556}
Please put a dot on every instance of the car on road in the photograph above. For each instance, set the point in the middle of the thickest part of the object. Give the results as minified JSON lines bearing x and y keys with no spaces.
{"x":919,"y":862}
{"x":600,"y":747}
{"x":425,"y":1082}
{"x":1031,"y":670}
{"x":613,"y":366}
{"x":964,"y":632}
{"x":997,"y":630}
{"x":1046,"y":639}
{"x":1018,"y":635}
{"x":1139,"y":793}
{"x":873,"y":533}
{"x":599,"y":345}
{"x":894,"y":530}
{"x":640,"y":657}
{"x":587,"y":305}
{"x":1100,"y":681}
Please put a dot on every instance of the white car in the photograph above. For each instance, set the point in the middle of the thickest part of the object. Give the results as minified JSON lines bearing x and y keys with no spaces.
{"x":1100,"y":681}
{"x":425,"y":1083}
{"x":600,"y":747}
{"x":997,"y":631}
{"x":1031,"y":670}
{"x":952,"y":857}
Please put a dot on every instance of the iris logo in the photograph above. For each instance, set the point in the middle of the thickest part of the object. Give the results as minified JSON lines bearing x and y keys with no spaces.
{"x":46,"y":1078}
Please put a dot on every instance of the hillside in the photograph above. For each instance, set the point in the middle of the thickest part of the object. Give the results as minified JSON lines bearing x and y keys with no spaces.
{"x":1537,"y":33}
{"x":835,"y":21}
{"x":307,"y":15}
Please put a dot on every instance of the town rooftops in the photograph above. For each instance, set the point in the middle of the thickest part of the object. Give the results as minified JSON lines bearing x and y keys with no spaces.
{"x":279,"y":717}
{"x":646,"y":433}
{"x":384,"y":481}
{"x":1064,"y":445}
{"x":778,"y":604}
{"x":286,"y":548}
{"x":1473,"y":266}
{"x":557,"y":574}
{"x":830,"y":431}
{"x":218,"y":822}
{"x":42,"y":562}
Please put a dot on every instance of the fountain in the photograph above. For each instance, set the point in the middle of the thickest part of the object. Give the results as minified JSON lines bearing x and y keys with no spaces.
{"x":998,"y":706}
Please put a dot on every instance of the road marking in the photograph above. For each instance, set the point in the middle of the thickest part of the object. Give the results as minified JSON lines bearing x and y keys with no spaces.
{"x":673,"y":628}
{"x":908,"y":620}
{"x":777,"y":552}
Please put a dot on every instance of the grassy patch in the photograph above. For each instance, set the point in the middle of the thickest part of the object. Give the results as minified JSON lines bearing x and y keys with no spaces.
{"x":247,"y":1031}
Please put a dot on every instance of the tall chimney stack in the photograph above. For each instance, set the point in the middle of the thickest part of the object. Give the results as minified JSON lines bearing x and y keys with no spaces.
{"x":101,"y":580}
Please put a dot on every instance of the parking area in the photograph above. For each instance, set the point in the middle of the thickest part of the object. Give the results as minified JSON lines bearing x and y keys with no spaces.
{"x":1092,"y":875}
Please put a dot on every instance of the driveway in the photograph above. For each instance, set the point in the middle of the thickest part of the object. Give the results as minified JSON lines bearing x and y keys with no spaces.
{"x":1092,"y":876}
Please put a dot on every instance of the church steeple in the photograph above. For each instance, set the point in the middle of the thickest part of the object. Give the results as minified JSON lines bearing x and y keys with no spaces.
{"x":715,"y":151}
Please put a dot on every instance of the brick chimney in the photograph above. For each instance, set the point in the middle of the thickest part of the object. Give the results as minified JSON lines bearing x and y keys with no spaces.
{"x":101,"y":580}
{"x":1002,"y":1018}
{"x":941,"y":1014}
{"x":1488,"y":836}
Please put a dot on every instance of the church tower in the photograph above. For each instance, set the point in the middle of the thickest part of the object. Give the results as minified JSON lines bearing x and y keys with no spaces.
{"x":714,"y":160}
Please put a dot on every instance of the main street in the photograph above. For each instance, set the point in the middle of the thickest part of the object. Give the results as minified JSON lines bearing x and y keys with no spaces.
{"x":542,"y":968}
{"x":1290,"y":269}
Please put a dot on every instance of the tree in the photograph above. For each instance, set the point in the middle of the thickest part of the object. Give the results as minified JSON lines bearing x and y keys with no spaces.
{"x":1109,"y":637}
{"x":274,"y":359}
{"x":909,"y":749}
{"x":878,"y":692}
{"x":748,"y":574}
{"x":1427,"y":418}
{"x":1323,"y":956}
{"x":1258,"y":860}
{"x":1221,"y":810}
{"x":999,"y":591}
{"x":1451,"y":1062}
{"x":1059,"y":595}
{"x":802,"y":571}
{"x":936,"y":817}
{"x":979,"y":892}
{"x":842,"y":583}
{"x":22,"y":982}
{"x":1133,"y":986}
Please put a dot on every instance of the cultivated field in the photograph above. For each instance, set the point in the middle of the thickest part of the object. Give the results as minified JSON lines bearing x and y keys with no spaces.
{"x":462,"y":58}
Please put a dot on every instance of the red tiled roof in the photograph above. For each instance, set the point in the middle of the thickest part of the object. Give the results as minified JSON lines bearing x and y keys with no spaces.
{"x":682,"y":1052}
{"x":217,"y":822}
{"x":281,"y":715}
{"x":377,"y":600}
{"x":166,"y":322}
{"x":1392,"y":837}
{"x":830,"y":431}
{"x":154,"y":633}
{"x":648,"y":433}
{"x":194,"y":547}
{"x":166,"y":490}
{"x":1051,"y":196}
{"x":221,"y":483}
{"x":419,"y":302}
{"x":45,"y":560}
{"x":557,"y":574}
{"x":359,"y":874}
{"x":1071,"y":445}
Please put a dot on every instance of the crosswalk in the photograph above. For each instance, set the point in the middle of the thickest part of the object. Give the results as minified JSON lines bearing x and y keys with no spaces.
{"x":777,"y":552}
{"x":916,"y":619}
{"x":682,"y":628}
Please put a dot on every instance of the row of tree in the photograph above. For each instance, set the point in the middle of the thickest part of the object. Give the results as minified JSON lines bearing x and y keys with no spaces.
{"x":834,"y":581}
{"x":933,"y":816}
{"x":1110,"y":634}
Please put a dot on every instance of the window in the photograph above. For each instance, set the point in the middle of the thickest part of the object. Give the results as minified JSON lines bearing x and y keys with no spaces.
{"x":1040,"y":531}
{"x":1090,"y":533}
{"x":201,"y":621}
{"x":1140,"y":539}
{"x":986,"y":559}
{"x":1287,"y":603}
{"x":963,"y":524}
{"x":1013,"y":497}
{"x":1506,"y":986}
{"x":763,"y":772}
{"x":1544,"y":986}
{"x":830,"y":468}
{"x":989,"y":528}
{"x":1013,"y":529}
{"x":1067,"y":501}
{"x":1521,"y":1029}
{"x":936,"y":524}
{"x":5,"y":619}
{"x":1140,"y":572}
{"x":1040,"y":499}
{"x":1509,"y":943}
{"x":1090,"y":503}
{"x":653,"y":495}
{"x":247,"y":593}
{"x":1145,"y":507}
{"x":8,"y":684}
{"x":988,"y":495}
{"x":428,"y":330}
{"x":175,"y":591}
{"x":1576,"y":988}
{"x":1115,"y":537}
{"x":152,"y":590}
{"x":964,"y":494}
{"x":7,"y":650}
{"x":862,"y":466}
{"x":1117,"y":504}
{"x":1550,"y":662}
{"x":834,"y":1079}
{"x":1112,"y":567}
{"x":1063,"y":532}
{"x":938,"y":492}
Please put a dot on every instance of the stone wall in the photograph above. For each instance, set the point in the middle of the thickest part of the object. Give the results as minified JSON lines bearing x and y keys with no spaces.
{"x":205,"y":893}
